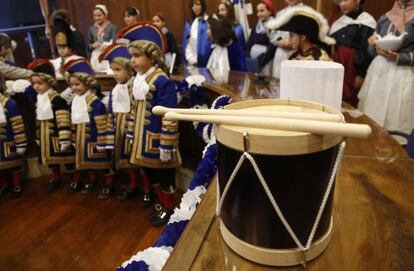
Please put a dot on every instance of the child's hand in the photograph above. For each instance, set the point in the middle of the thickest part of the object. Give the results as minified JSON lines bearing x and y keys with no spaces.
{"x":64,"y":146}
{"x":165,"y":155}
{"x":373,"y":39}
{"x":100,"y":148}
{"x":284,"y":43}
{"x":96,"y":45}
{"x":20,"y":151}
{"x":391,"y":55}
{"x":358,"y":82}
{"x":130,"y":135}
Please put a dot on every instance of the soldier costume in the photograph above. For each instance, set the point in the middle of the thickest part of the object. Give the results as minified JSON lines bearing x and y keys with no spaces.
{"x":155,"y":141}
{"x":53,"y":127}
{"x":89,"y":123}
{"x":13,"y":143}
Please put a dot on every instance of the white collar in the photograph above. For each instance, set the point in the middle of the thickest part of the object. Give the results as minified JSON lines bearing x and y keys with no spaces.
{"x":84,"y":95}
{"x":44,"y":107}
{"x":204,"y":17}
{"x":80,"y":112}
{"x":121,"y":102}
{"x":3,"y":118}
{"x":219,"y":58}
{"x":364,"y":19}
{"x":140,"y":87}
{"x":149,"y":72}
{"x":45,"y":94}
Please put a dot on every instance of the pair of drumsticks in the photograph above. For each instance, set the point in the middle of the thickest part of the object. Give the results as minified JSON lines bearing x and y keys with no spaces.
{"x":315,"y":123}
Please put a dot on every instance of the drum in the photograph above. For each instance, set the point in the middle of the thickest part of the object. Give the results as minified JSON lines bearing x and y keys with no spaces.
{"x":277,"y":209}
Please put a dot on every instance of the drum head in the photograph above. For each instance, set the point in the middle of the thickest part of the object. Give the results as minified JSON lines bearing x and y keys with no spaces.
{"x":277,"y":142}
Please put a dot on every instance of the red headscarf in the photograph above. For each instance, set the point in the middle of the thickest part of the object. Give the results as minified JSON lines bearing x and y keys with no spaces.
{"x":399,"y":16}
{"x":160,"y":14}
{"x":270,"y":6}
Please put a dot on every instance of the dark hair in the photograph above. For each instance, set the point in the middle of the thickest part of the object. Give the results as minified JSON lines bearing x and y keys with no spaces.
{"x":221,"y":31}
{"x":203,"y":8}
{"x":61,"y":14}
{"x":2,"y":84}
{"x":5,"y":41}
{"x":131,"y":11}
{"x":101,"y":10}
{"x":230,"y":11}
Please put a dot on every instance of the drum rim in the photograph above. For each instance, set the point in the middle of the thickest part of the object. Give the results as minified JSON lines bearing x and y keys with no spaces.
{"x":275,"y":257}
{"x":300,"y":143}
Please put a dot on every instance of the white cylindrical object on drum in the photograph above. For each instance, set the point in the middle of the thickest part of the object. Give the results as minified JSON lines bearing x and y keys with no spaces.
{"x":317,"y":81}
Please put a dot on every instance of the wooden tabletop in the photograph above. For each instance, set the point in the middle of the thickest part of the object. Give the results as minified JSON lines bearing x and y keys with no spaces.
{"x":373,"y":206}
{"x":373,"y":224}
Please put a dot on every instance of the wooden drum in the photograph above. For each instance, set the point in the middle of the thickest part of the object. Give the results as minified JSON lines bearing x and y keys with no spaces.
{"x":297,"y":167}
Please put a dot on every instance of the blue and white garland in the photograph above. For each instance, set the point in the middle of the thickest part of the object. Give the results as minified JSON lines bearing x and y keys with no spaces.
{"x":155,"y":257}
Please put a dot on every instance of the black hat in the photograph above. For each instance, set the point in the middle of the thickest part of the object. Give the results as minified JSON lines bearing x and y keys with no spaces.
{"x":42,"y":66}
{"x":305,"y":21}
{"x":63,"y":33}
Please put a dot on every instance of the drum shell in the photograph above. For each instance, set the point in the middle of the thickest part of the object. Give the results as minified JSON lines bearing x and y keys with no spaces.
{"x":297,"y":182}
{"x":297,"y":168}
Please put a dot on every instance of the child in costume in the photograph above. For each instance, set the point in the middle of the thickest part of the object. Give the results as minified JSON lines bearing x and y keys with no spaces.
{"x":308,"y":33}
{"x":70,"y":43}
{"x":119,"y":108}
{"x":65,"y":33}
{"x":282,"y":40}
{"x":351,"y":32}
{"x":259,"y":45}
{"x":89,"y":124}
{"x":131,"y":15}
{"x":196,"y":48}
{"x":53,"y":132}
{"x":13,"y":143}
{"x":158,"y":19}
{"x":228,"y":53}
{"x":155,"y":140}
{"x":226,"y":9}
{"x":102,"y":30}
{"x":387,"y":95}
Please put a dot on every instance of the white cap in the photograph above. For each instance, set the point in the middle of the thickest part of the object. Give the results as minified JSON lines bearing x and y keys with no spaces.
{"x":103,"y":8}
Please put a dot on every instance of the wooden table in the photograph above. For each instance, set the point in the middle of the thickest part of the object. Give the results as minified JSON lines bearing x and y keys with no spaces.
{"x":373,"y":210}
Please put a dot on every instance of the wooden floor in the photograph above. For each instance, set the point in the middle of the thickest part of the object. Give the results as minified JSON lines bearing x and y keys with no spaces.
{"x":70,"y":231}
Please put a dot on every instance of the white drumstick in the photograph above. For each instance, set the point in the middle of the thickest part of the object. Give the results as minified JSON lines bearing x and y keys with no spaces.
{"x":310,"y":126}
{"x":160,"y":111}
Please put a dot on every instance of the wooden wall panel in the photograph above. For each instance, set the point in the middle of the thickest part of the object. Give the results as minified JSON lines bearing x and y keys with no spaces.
{"x":178,"y":11}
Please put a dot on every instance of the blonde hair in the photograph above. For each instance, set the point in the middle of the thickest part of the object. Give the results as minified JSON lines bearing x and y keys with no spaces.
{"x":45,"y":77}
{"x":151,"y":50}
{"x":123,"y":62}
{"x":85,"y":78}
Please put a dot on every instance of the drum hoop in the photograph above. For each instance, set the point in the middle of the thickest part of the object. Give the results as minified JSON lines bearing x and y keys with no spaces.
{"x":275,"y":257}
